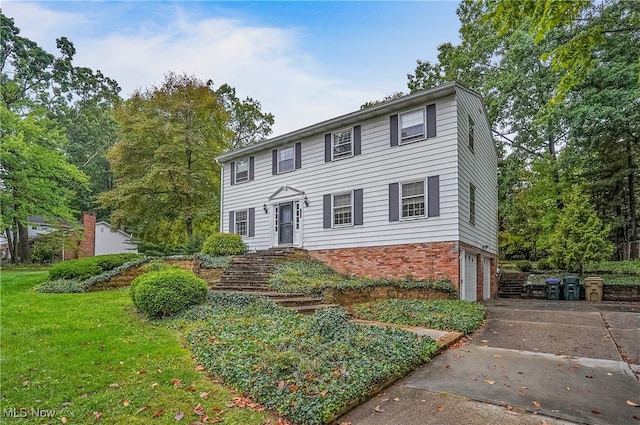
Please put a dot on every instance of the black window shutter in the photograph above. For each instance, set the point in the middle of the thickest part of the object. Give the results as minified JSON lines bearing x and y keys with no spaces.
{"x":356,"y":140}
{"x":357,"y":207}
{"x":431,"y":120}
{"x":274,"y":162}
{"x":394,"y":202}
{"x":326,"y":211}
{"x":433,"y":187}
{"x":393,"y":124}
{"x":232,"y":215}
{"x":298,"y":155}
{"x":327,"y":147}
{"x":252,"y":161}
{"x":252,"y":222}
{"x":233,"y":173}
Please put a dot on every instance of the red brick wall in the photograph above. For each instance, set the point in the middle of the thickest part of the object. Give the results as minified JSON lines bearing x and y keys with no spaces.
{"x":422,"y":261}
{"x":88,"y":242}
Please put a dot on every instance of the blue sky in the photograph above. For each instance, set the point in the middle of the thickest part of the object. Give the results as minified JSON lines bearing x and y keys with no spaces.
{"x":305,"y":61}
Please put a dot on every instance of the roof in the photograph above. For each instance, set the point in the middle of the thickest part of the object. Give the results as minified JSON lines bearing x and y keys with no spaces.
{"x":389,"y":107}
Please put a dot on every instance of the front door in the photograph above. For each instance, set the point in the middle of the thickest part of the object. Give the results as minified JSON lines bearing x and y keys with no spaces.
{"x":470,"y":277}
{"x":285,"y":225}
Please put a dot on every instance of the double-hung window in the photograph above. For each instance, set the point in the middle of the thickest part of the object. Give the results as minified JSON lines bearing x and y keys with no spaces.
{"x":241,"y":223}
{"x":472,"y":127}
{"x":342,"y":144}
{"x":286,"y":159}
{"x":472,"y":203}
{"x":412,"y":126}
{"x":242,"y":171}
{"x":342,"y":209}
{"x":413,"y":199}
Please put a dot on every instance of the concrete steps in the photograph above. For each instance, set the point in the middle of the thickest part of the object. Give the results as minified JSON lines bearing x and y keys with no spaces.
{"x":250,"y":274}
{"x":511,"y":285}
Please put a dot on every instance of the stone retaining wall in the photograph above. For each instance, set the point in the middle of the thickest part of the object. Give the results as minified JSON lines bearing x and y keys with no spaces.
{"x":347,"y":297}
{"x":609,"y":292}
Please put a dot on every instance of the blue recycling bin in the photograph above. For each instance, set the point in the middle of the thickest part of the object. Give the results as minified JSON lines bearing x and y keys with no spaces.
{"x":571,"y":288}
{"x":553,"y":289}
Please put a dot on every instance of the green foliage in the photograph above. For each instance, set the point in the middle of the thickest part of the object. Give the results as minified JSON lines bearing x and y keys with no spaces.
{"x":312,"y":277}
{"x":524,"y":265}
{"x":455,"y":315}
{"x":154,"y":266}
{"x":88,"y":353}
{"x":220,"y":244}
{"x":211,"y":262}
{"x":84,"y":268}
{"x":544,"y":264}
{"x":167,"y":292}
{"x":580,"y":238}
{"x":299,"y":365}
{"x":60,"y":286}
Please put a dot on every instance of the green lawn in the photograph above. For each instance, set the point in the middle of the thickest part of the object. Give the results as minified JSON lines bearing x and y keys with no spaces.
{"x":90,"y":358}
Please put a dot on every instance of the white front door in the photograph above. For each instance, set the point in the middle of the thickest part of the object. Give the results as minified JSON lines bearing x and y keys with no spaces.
{"x":469,"y":277}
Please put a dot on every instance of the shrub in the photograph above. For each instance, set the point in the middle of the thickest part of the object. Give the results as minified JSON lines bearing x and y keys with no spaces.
{"x":524,"y":265}
{"x":167,"y":292}
{"x":224,"y":244}
{"x":544,"y":264}
{"x":61,"y":286}
{"x":84,"y":268}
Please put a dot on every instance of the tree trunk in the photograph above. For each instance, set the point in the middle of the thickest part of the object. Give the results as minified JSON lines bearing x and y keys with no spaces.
{"x":12,"y":245}
{"x":632,"y":200}
{"x":24,"y":249}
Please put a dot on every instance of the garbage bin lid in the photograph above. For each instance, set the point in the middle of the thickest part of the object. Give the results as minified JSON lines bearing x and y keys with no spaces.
{"x":552,"y":280}
{"x":571,"y":279}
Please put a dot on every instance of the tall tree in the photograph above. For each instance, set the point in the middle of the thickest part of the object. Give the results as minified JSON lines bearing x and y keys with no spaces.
{"x":167,"y":184}
{"x":34,"y":176}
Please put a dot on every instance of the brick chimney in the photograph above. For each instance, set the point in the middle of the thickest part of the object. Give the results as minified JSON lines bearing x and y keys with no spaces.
{"x":88,"y":242}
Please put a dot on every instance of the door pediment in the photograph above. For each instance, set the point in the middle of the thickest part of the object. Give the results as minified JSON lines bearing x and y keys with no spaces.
{"x":286,"y":192}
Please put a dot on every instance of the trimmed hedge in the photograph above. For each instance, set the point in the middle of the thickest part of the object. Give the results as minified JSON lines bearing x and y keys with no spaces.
{"x":167,"y":292}
{"x":84,"y":268}
{"x":220,"y":244}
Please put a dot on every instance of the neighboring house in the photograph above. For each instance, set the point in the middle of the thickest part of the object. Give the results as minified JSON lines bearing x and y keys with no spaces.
{"x":97,"y":238}
{"x":405,"y":188}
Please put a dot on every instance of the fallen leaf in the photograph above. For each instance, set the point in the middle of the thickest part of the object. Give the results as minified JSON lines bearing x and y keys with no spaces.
{"x":158,"y":413}
{"x":396,"y":399}
{"x":142,"y":409}
{"x":633,"y":404}
{"x":595,"y":412}
{"x":498,"y":356}
{"x":609,"y":374}
{"x":142,"y":372}
{"x":176,"y":382}
{"x":324,"y":393}
{"x":125,"y":403}
{"x":25,"y":383}
{"x":200,"y":368}
{"x":198,"y":410}
{"x":379,"y":409}
{"x":97,"y":415}
{"x":63,"y":419}
{"x":346,"y":423}
{"x":179,"y":416}
{"x":568,"y":388}
{"x":485,"y":341}
{"x":521,"y":393}
{"x":489,"y":381}
{"x":281,"y":384}
{"x":536,"y":403}
{"x":440,"y":408}
{"x":66,"y":403}
{"x":204,"y":395}
{"x":114,"y":385}
{"x":155,"y":385}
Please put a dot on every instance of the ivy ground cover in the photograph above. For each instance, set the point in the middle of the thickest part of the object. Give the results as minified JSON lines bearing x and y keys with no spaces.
{"x":88,"y":358}
{"x":452,"y":315}
{"x":307,"y":368}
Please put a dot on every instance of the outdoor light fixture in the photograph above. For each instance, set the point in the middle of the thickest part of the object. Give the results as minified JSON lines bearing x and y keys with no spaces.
{"x":264,"y":207}
{"x":306,"y":201}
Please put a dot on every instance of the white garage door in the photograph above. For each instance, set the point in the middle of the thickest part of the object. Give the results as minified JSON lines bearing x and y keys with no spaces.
{"x":470,"y":277}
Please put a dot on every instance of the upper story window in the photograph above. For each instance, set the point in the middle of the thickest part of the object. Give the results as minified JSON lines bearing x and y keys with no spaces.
{"x":472,"y":128}
{"x":342,"y":209}
{"x":286,"y":159}
{"x":472,"y":203}
{"x":241,"y":223}
{"x":412,"y":126}
{"x":242,"y":171}
{"x":342,"y":144}
{"x":413,"y":199}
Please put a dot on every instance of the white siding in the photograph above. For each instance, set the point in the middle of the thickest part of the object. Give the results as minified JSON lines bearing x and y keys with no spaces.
{"x":373,"y":170}
{"x":108,"y":242}
{"x":478,"y":167}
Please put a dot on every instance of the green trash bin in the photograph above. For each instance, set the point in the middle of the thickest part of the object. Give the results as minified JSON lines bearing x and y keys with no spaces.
{"x":571,"y":288}
{"x":553,"y":289}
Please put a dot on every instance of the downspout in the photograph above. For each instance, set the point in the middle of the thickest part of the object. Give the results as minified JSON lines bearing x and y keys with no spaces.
{"x":221,"y":194}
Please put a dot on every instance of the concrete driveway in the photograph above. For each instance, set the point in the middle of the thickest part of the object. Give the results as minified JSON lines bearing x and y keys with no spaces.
{"x":533,"y":362}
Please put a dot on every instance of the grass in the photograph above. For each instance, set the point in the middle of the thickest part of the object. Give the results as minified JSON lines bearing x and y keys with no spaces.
{"x":452,"y":315}
{"x":87,"y":356}
{"x":311,"y":277}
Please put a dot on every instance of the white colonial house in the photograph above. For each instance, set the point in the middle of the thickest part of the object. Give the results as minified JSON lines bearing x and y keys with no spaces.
{"x":405,"y":188}
{"x":110,"y":240}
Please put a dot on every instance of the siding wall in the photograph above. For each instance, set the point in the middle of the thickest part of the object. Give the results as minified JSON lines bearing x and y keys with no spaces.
{"x":480,"y":168}
{"x":373,"y":170}
{"x":108,"y":242}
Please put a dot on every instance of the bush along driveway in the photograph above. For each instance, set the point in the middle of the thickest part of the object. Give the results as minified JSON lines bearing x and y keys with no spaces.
{"x":310,"y":369}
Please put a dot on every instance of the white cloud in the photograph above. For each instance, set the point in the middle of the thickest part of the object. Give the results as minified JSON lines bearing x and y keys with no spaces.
{"x":266,"y":63}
